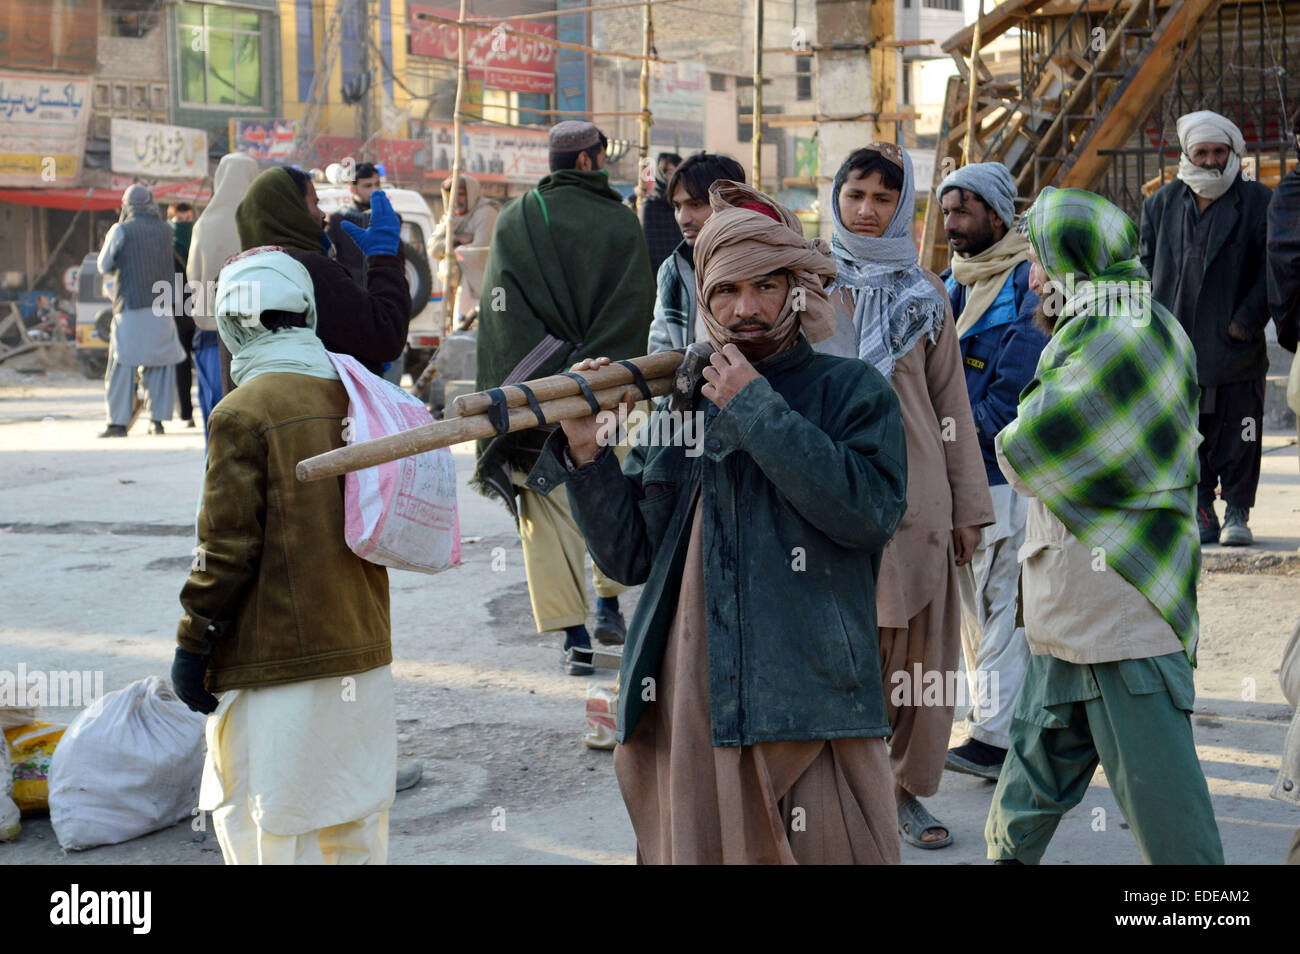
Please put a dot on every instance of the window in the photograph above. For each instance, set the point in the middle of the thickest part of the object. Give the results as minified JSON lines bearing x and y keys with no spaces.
{"x":306,"y":51}
{"x":220,"y":55}
{"x":803,"y":82}
{"x":942,"y":4}
{"x":350,"y":48}
{"x":717,"y":82}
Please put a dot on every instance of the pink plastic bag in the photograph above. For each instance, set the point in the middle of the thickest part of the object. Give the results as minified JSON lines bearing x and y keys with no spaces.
{"x":401,"y":514}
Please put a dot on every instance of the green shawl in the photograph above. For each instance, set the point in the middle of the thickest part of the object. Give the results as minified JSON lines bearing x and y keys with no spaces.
{"x":273,"y":212}
{"x":1106,"y":434}
{"x":568,"y":277}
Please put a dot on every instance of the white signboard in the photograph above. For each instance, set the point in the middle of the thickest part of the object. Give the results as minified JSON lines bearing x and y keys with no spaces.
{"x":153,"y":149}
{"x":518,"y":155}
{"x":42,"y":129}
{"x":677,"y":92}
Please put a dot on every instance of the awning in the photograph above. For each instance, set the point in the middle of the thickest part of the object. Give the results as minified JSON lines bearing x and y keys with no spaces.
{"x":96,"y":199}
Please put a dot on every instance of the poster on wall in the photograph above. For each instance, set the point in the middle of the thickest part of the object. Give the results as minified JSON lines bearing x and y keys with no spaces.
{"x":677,"y":92}
{"x":264,"y":139}
{"x":42,"y":129}
{"x":516,"y":155}
{"x":58,"y":35}
{"x":155,"y":149}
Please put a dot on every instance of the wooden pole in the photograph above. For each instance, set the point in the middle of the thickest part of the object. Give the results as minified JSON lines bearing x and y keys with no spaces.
{"x":643,"y":141}
{"x":972,"y":80}
{"x":452,"y":285}
{"x":458,"y":430}
{"x":758,"y":94}
{"x":661,"y":364}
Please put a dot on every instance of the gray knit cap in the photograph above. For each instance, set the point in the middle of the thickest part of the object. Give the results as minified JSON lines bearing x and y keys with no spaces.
{"x":991,"y":181}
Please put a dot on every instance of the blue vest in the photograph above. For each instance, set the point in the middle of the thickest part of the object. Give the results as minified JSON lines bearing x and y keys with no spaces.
{"x":1003,"y":310}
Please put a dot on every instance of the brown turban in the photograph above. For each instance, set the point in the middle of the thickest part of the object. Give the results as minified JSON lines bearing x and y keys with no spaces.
{"x":739,"y":244}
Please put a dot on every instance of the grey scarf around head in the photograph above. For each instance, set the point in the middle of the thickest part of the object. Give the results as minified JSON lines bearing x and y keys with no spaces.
{"x":894,"y":301}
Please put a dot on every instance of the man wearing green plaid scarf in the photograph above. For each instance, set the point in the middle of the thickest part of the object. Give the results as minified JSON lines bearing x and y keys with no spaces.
{"x":1105,"y":445}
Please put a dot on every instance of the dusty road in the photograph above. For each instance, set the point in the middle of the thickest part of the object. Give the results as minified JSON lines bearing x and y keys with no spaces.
{"x":95,"y":541}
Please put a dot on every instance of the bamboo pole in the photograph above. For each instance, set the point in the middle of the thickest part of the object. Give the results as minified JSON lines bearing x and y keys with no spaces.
{"x":972,"y":80}
{"x":661,"y":364}
{"x":452,"y":286}
{"x":643,"y":141}
{"x":458,"y":430}
{"x":758,"y":95}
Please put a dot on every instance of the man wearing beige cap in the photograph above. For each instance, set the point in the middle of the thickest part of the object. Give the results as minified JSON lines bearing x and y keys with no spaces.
{"x":568,"y":277}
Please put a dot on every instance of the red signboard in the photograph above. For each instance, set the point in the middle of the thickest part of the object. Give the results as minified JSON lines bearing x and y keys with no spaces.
{"x":498,"y":58}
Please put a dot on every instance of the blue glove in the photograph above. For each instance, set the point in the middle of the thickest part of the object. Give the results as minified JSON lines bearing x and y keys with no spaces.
{"x":385,"y":233}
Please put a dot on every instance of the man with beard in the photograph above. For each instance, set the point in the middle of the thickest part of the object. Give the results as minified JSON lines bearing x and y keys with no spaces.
{"x":753,"y":718}
{"x":661,"y":231}
{"x":471,"y":229}
{"x":365,"y":180}
{"x":988,"y":287}
{"x":1203,"y":241}
{"x":1104,"y":445}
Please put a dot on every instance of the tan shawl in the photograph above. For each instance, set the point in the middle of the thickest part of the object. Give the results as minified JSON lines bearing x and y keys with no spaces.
{"x":985,"y":274}
{"x":738,"y":244}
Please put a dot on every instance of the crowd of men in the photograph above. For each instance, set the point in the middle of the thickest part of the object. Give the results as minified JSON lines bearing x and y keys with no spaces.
{"x":1016,"y":460}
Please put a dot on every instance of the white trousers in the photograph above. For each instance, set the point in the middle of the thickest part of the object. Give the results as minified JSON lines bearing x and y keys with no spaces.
{"x":302,"y":773}
{"x":995,"y":649}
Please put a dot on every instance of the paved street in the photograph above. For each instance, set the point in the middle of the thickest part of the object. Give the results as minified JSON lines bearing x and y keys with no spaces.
{"x":95,"y":541}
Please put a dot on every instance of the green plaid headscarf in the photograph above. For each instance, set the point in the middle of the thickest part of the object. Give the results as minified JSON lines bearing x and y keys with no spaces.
{"x":1106,"y":433}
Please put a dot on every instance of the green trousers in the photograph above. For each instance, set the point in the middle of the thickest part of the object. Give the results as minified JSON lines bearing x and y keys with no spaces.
{"x":1132,"y":716}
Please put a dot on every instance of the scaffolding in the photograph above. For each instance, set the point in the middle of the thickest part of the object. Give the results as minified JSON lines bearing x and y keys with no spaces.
{"x":1100,"y":86}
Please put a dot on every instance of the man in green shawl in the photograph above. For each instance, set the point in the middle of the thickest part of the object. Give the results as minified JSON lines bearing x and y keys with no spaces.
{"x":1105,"y":446}
{"x":568,"y":277}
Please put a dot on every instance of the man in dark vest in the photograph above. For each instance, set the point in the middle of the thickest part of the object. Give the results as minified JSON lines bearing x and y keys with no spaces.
{"x":137,"y":254}
{"x":1203,"y":242}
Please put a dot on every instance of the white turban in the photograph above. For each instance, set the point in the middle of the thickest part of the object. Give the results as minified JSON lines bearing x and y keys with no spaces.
{"x":1202,"y":127}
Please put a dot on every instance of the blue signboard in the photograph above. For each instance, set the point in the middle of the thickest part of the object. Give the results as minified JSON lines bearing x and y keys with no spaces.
{"x":570,"y":65}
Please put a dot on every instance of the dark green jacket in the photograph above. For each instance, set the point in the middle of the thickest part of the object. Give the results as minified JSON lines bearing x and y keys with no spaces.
{"x":804,"y":480}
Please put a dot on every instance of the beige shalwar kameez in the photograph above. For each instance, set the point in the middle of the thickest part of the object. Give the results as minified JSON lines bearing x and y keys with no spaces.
{"x":918,"y":607}
{"x":815,"y":802}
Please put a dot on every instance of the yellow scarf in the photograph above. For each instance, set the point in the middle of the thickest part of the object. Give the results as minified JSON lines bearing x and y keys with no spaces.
{"x":985,"y":274}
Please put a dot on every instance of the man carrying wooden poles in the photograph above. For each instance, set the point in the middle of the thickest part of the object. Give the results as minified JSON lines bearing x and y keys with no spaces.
{"x":752,"y":714}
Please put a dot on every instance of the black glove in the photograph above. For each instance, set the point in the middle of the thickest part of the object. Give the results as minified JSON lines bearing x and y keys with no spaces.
{"x":188,"y":670}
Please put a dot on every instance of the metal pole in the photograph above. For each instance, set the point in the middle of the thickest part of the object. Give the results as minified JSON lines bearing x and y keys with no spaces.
{"x":449,"y":233}
{"x":972,"y":81}
{"x":758,"y":94}
{"x":643,"y":142}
